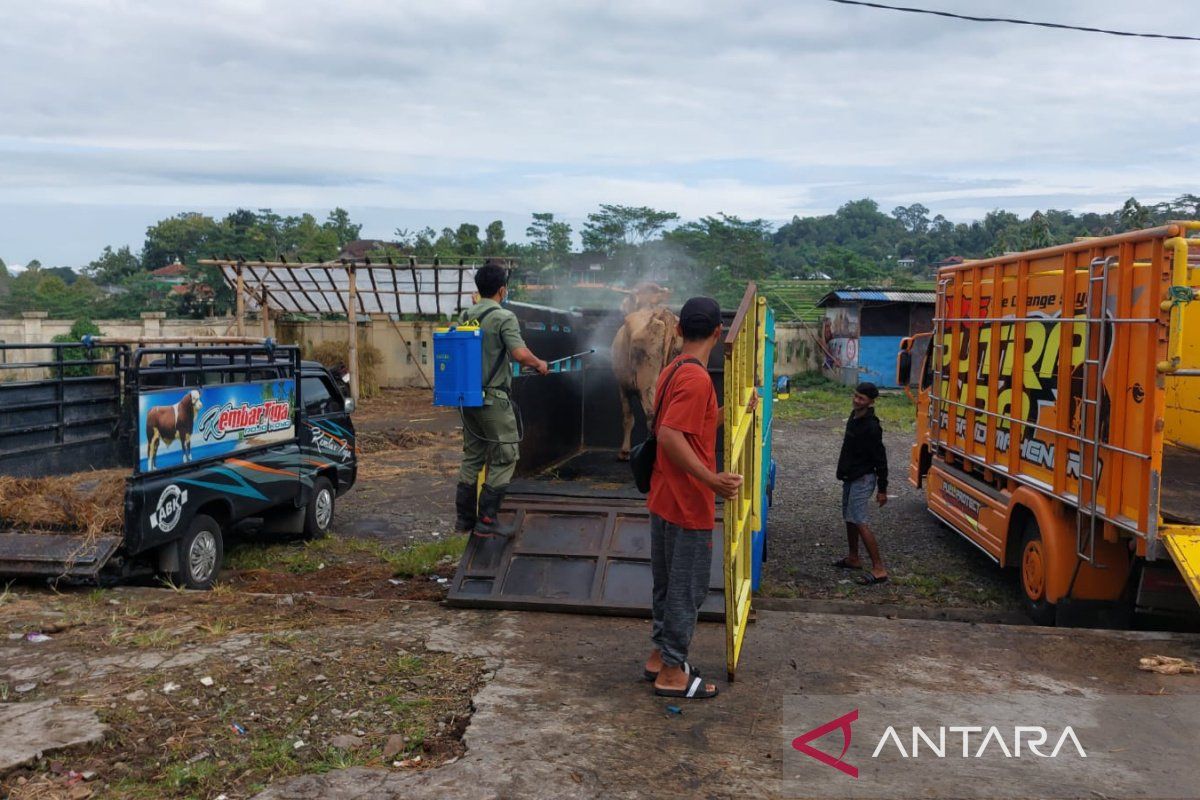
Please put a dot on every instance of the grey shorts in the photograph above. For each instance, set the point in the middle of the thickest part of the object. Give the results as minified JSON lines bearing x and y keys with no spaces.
{"x":856,"y":498}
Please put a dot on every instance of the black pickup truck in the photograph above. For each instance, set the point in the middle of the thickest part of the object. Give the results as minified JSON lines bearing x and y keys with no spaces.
{"x":212,"y":436}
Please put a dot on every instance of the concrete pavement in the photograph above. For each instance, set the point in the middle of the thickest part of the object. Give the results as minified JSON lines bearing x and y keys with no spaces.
{"x":566,"y":714}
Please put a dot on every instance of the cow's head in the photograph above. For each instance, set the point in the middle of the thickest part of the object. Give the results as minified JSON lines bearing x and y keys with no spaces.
{"x":194,"y":397}
{"x":645,"y":295}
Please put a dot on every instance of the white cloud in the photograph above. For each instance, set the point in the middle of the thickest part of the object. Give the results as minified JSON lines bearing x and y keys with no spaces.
{"x":758,"y":109}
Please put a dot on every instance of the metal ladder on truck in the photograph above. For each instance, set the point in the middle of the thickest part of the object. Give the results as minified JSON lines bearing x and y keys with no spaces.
{"x":1091,"y":395}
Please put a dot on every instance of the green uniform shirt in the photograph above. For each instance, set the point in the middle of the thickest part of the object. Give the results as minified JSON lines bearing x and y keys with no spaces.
{"x":501,"y":334}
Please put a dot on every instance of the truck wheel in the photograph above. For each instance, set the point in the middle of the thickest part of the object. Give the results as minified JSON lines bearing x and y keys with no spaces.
{"x":201,"y":553}
{"x":318,"y":518}
{"x":1034,"y":569}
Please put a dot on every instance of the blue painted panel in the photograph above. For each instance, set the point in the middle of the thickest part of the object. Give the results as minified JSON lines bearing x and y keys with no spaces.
{"x":877,"y":360}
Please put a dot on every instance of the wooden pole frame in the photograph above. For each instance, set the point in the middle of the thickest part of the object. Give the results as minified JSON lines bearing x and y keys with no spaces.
{"x":352,"y":331}
{"x":241,"y":302}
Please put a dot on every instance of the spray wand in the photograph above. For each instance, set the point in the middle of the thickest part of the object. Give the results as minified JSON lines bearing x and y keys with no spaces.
{"x":528,"y":371}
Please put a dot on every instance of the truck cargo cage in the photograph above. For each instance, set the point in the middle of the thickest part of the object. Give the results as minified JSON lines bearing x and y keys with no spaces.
{"x":59,"y":407}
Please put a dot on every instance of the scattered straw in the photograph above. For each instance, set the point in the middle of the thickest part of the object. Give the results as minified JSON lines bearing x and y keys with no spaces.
{"x":333,"y":354}
{"x":1168,"y":665}
{"x":91,"y":502}
{"x":393,"y":439}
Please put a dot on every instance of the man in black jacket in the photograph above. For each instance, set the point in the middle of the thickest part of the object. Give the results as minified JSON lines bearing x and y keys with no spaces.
{"x":862,"y":469}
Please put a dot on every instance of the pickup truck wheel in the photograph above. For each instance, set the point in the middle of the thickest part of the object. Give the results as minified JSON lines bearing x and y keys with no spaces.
{"x":318,"y":519}
{"x":201,"y":552}
{"x":1034,"y":569}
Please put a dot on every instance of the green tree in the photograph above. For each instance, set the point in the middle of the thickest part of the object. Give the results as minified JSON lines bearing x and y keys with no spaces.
{"x":467,"y":237}
{"x":549,"y":242}
{"x":494,"y":244}
{"x":187,"y":237}
{"x":113,"y":266}
{"x":1134,"y":215}
{"x":728,"y":250}
{"x":339,"y":223}
{"x":614,"y":228}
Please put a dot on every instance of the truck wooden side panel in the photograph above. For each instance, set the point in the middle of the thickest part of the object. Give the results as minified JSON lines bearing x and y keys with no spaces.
{"x":1021,"y":346}
{"x":1059,"y":411}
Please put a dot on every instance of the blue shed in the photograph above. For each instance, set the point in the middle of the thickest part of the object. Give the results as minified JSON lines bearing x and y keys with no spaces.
{"x":862,"y":329}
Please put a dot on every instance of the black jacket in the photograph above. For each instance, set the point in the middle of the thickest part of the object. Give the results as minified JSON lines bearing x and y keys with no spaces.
{"x":862,"y":450}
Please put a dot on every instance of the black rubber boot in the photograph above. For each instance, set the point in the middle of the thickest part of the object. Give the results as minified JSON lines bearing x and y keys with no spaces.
{"x":488,"y":523}
{"x":464,"y":507}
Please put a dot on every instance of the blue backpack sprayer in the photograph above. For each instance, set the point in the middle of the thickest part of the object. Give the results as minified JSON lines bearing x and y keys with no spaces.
{"x":458,"y":379}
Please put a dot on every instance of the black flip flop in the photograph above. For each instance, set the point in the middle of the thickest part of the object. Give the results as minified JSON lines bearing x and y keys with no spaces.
{"x":841,"y":564}
{"x":688,"y":669}
{"x":871,"y":580}
{"x":694,"y":691}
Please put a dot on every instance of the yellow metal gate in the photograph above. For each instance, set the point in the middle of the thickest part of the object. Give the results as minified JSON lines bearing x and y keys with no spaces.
{"x":744,"y":351}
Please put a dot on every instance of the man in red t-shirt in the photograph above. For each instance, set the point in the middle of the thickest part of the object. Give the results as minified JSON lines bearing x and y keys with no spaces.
{"x":683,"y":489}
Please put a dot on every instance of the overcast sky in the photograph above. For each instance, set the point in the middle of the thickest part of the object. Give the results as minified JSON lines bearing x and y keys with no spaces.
{"x":116,"y":114}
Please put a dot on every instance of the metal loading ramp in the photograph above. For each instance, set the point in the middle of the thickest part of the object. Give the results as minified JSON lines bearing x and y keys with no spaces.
{"x":571,"y":555}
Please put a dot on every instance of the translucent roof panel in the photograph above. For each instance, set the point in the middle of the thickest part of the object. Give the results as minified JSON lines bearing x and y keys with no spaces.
{"x":381,"y":289}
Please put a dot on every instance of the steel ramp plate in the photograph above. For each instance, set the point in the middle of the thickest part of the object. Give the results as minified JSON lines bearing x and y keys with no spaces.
{"x":589,"y":558}
{"x":55,"y":554}
{"x":1183,"y":543}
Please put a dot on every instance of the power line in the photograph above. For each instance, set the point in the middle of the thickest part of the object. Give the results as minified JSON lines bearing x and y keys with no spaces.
{"x":1011,"y":21}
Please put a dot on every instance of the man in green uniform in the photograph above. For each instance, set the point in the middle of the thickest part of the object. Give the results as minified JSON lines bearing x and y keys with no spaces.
{"x":490,"y":431}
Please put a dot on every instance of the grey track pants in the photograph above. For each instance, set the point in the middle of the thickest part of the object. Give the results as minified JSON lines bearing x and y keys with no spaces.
{"x":680,"y":560}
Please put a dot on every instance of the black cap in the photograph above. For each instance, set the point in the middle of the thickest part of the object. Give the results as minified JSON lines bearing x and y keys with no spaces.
{"x":699,"y":316}
{"x":867,"y":389}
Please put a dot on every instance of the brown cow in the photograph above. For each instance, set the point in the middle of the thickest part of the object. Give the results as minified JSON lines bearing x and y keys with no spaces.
{"x":647,"y":341}
{"x":165,"y":423}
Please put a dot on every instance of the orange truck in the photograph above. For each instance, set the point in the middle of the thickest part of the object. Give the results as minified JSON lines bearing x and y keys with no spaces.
{"x":1058,"y":417}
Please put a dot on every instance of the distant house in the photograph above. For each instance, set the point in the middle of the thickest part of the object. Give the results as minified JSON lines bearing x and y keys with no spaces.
{"x":951,"y":261}
{"x":180,"y":286}
{"x":862,"y":329}
{"x":174,"y":274}
{"x":361,"y":248}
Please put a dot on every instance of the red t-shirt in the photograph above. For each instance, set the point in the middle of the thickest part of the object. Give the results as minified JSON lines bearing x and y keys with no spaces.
{"x":690,"y":406}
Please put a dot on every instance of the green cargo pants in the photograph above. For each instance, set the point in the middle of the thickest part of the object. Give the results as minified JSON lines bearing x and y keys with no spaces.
{"x":498,"y":423}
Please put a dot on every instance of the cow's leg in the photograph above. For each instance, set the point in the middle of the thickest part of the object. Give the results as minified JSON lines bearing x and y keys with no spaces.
{"x":185,"y":443}
{"x":626,"y":424}
{"x":647,"y":397}
{"x":152,"y":448}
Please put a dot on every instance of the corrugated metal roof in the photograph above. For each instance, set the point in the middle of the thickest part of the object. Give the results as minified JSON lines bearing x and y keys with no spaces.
{"x":876,"y":296}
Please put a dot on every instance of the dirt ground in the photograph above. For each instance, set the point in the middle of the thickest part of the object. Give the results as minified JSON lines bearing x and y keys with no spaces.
{"x":408,"y":468}
{"x":226,"y":691}
{"x":928,"y":563}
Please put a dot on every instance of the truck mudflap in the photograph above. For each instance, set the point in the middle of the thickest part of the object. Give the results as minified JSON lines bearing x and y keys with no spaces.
{"x":55,"y":555}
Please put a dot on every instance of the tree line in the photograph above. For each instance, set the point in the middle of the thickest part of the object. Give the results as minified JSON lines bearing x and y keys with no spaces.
{"x":858,"y":244}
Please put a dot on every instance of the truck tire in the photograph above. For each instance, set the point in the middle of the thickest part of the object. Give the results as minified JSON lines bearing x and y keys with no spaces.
{"x":201,"y":553}
{"x":318,"y":517}
{"x":1033,"y":571}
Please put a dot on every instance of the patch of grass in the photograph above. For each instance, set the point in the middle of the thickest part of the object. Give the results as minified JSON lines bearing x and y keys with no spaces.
{"x":335,"y":758}
{"x":814,"y":396}
{"x":772,"y":589}
{"x":404,"y":705}
{"x":424,"y":558}
{"x":152,"y":639}
{"x":409,"y":664}
{"x":217,"y":627}
{"x":185,"y":777}
{"x":421,"y":559}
